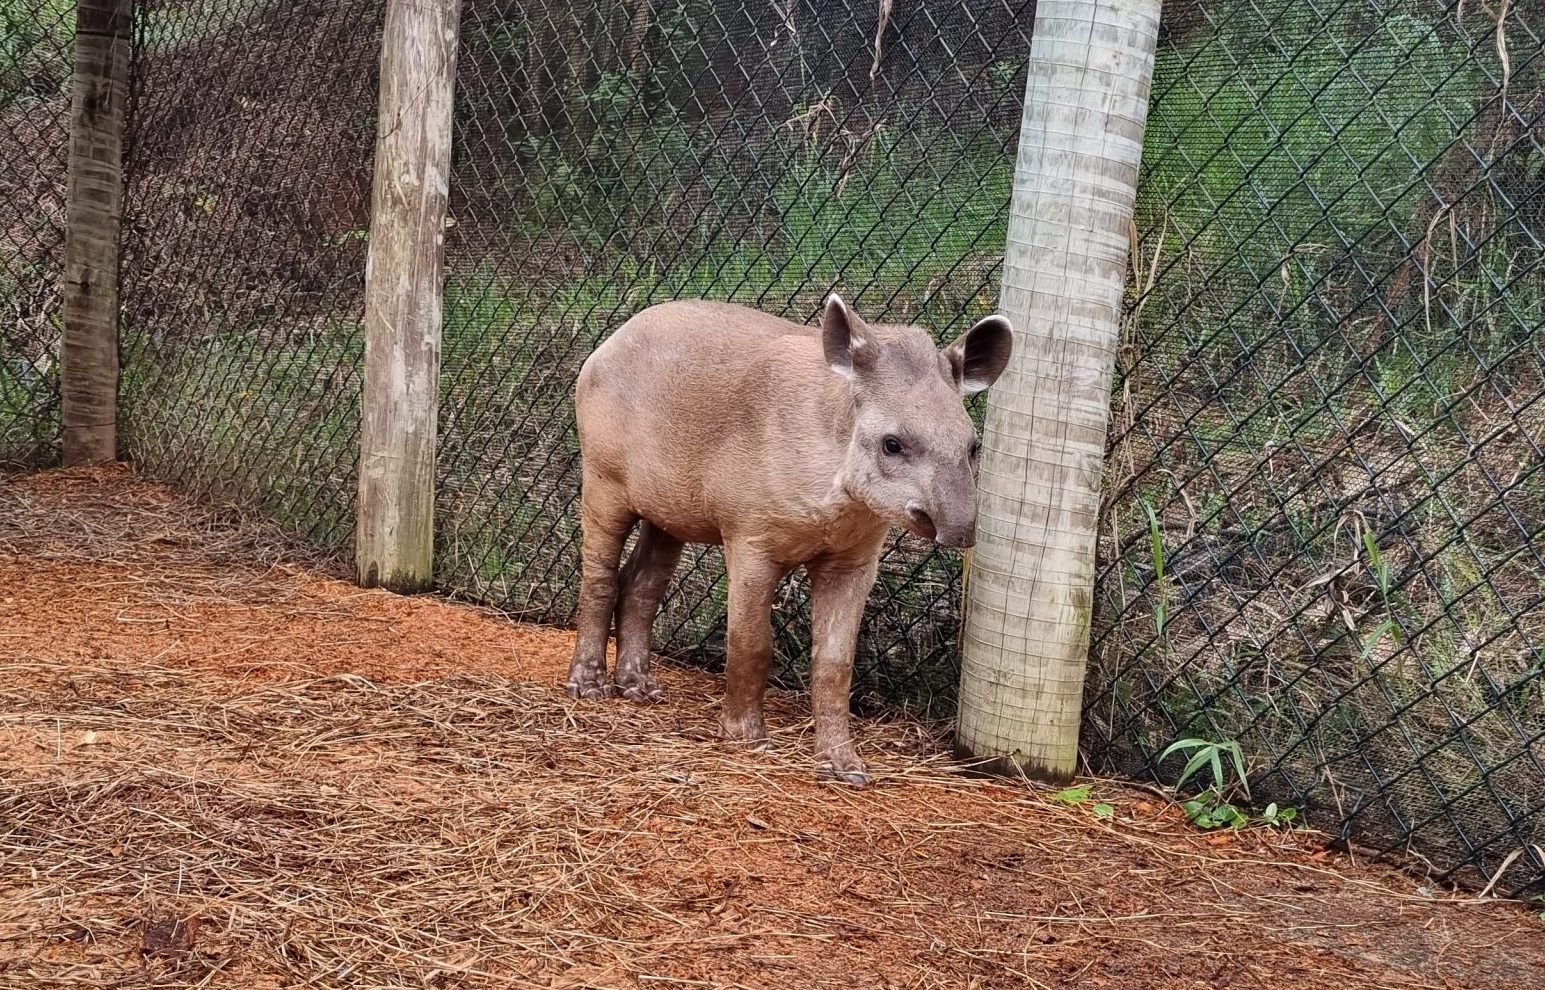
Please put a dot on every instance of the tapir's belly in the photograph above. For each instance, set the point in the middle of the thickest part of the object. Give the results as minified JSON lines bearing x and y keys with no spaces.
{"x":730,"y":508}
{"x":686,"y":526}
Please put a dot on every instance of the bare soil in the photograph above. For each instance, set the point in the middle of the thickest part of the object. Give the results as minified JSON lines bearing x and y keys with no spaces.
{"x":221,"y":766}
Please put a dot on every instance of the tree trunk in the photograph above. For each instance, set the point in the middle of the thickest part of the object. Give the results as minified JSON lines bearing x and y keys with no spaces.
{"x":1031,"y":584}
{"x":88,"y":353}
{"x":404,"y":284}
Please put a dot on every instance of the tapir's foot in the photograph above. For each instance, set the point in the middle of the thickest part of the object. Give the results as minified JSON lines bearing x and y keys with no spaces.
{"x":638,"y":686}
{"x":589,"y":682}
{"x":843,"y":764}
{"x":745,"y":729}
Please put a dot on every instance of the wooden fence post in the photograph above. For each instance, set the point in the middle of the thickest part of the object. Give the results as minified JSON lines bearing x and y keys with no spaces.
{"x":404,"y":284}
{"x":1026,"y":635}
{"x":88,"y":352}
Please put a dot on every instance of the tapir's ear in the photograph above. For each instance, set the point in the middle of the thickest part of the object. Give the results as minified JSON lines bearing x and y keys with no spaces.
{"x":979,"y":355}
{"x":844,"y":338}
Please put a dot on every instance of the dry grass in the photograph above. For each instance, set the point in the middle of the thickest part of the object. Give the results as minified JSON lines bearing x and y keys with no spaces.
{"x":218,"y":768}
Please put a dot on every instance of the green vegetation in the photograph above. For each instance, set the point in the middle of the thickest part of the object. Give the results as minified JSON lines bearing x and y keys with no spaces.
{"x":1330,"y":455}
{"x":35,"y":49}
{"x":270,"y":424}
{"x":1080,"y":794}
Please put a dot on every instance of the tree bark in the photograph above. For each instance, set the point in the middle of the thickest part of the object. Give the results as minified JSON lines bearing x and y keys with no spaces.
{"x":88,"y":359}
{"x":404,"y":285}
{"x":1026,"y":634}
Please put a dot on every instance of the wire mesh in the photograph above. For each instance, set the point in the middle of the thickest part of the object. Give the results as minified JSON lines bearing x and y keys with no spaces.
{"x":35,"y":66}
{"x":1325,"y":499}
{"x":613,"y":155}
{"x":251,"y":136}
{"x":1326,"y":495}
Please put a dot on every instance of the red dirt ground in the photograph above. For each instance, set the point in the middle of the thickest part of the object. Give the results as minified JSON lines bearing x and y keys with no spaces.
{"x":349,"y":788}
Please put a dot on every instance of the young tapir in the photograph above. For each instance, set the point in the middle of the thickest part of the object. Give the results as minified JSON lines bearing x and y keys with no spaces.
{"x":713,"y":423}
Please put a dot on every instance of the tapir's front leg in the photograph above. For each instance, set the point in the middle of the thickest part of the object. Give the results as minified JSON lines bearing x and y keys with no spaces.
{"x":838,"y":592}
{"x":753,"y":580}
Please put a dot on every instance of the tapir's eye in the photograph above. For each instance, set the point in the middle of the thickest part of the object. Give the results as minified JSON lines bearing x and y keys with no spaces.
{"x":892,"y":446}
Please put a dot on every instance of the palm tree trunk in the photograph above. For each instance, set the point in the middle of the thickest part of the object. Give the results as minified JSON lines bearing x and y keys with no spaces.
{"x":1030,"y":593}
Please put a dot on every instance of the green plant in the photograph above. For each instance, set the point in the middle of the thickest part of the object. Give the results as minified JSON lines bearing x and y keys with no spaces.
{"x":1156,"y":547}
{"x":1205,"y":753}
{"x":1211,"y":808}
{"x":36,"y":38}
{"x":1377,"y":565}
{"x":1209,"y":811}
{"x":1276,"y":816}
{"x":1080,"y":794}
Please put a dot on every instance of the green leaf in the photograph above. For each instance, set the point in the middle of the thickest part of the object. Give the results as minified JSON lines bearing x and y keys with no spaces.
{"x":1180,"y":744}
{"x":1200,"y":813}
{"x":1197,"y":759}
{"x":1239,"y":766}
{"x":1103,"y":810}
{"x":1156,"y":541}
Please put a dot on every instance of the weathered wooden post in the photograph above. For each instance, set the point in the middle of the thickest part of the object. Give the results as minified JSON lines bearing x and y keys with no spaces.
{"x":1026,"y":634}
{"x":88,"y":352}
{"x":404,"y":284}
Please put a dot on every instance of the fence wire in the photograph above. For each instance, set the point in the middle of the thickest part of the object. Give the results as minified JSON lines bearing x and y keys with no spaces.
{"x":252,"y":128}
{"x":36,"y":58}
{"x":613,"y":155}
{"x":1325,"y":496}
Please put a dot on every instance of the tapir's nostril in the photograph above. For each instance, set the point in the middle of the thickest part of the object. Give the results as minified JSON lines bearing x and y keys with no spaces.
{"x":922,"y":523}
{"x":958,"y":539}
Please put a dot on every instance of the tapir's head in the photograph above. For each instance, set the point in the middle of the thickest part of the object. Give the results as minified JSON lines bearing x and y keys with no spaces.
{"x":913,"y":455}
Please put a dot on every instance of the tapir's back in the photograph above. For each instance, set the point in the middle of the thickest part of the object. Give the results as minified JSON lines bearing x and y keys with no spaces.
{"x":707,"y":412}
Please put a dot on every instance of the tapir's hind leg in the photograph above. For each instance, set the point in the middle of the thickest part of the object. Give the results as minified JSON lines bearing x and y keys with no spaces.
{"x":605,"y":522}
{"x":644,"y":580}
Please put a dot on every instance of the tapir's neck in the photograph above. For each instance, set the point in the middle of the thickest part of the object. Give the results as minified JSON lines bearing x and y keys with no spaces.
{"x":838,"y":414}
{"x":839,"y":411}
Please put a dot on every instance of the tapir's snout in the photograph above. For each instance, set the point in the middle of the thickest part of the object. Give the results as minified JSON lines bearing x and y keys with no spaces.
{"x":949,"y":505}
{"x":957,"y":537}
{"x":956,"y":534}
{"x":920,"y":522}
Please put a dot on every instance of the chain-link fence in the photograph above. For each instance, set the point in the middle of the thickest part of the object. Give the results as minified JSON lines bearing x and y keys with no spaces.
{"x":35,"y":65}
{"x":1325,"y":495}
{"x":1327,"y":498}
{"x":614,"y":155}
{"x":252,"y":127}
{"x":607,"y":156}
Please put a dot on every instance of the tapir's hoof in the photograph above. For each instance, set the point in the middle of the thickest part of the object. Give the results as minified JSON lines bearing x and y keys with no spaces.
{"x":640,"y":688}
{"x":758,"y":745}
{"x":589,"y":686}
{"x":855,"y":778}
{"x":845,"y":766}
{"x":748,"y":732}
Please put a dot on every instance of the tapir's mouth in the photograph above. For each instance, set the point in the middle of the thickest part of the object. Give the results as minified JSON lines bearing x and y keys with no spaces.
{"x":920,"y":523}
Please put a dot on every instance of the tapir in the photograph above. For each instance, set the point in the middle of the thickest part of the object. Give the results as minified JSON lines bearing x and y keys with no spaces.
{"x":790,"y":446}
